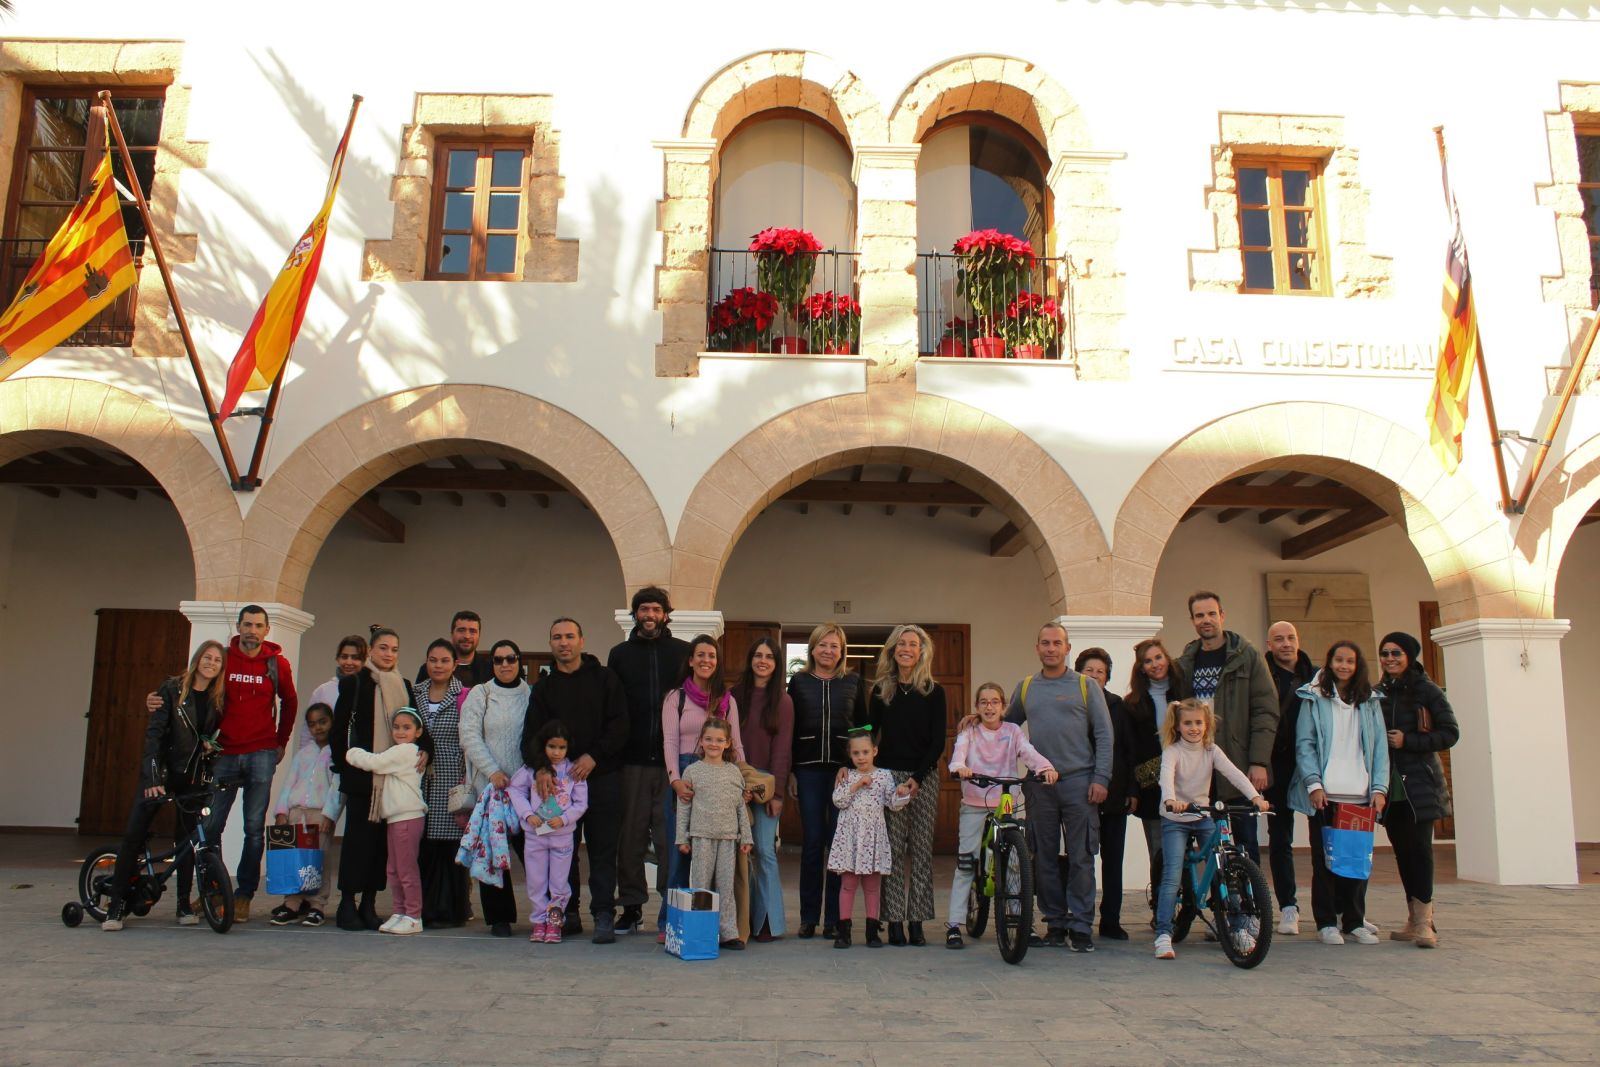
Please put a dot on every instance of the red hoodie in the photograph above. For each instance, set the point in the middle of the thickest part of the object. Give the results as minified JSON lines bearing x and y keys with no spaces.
{"x":248,"y":724}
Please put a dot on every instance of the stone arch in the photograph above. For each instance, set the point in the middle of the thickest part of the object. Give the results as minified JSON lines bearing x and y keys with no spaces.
{"x":334,"y":467}
{"x":1001,"y":85}
{"x":40,"y":413}
{"x":808,"y":81}
{"x":1545,"y":530}
{"x":1459,"y":536}
{"x":968,"y":446}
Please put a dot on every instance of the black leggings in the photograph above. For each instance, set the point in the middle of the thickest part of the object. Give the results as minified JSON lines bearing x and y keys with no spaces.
{"x":131,"y":851}
{"x":1412,"y":839}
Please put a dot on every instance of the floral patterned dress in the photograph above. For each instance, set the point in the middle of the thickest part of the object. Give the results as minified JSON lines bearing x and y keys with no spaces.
{"x":861,"y":840}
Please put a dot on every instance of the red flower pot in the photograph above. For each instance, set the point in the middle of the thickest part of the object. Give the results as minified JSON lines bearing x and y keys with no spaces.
{"x":790,"y":346}
{"x":952,"y":346}
{"x":745,"y":346}
{"x":837,"y":348}
{"x":1028,"y":351}
{"x":989,"y":347}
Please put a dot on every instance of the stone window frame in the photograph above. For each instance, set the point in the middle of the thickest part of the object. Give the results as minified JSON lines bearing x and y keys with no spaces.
{"x":1579,"y":106}
{"x":1353,"y":270}
{"x":526,"y":118}
{"x":43,"y":63}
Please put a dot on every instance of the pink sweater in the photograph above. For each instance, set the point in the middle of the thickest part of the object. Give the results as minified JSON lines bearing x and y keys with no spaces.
{"x":681,"y":736}
{"x":993,"y":752}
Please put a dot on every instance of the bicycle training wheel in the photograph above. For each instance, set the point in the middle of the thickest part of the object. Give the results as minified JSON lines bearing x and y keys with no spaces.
{"x":216,"y":891}
{"x":95,"y":882}
{"x":1242,"y":907}
{"x":977,"y":908}
{"x":1013,"y":895}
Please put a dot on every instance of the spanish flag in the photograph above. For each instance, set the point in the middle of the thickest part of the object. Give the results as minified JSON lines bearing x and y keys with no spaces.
{"x":266,"y":345}
{"x":1458,"y":351}
{"x":84,"y":268}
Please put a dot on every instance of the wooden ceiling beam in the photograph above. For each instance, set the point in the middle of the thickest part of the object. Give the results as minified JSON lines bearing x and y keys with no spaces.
{"x":1280,"y":496}
{"x":102,"y":475}
{"x":476,"y":480}
{"x":1291,"y":478}
{"x":382,"y":524}
{"x":832,"y":491}
{"x":1351,"y":526}
{"x":499,"y":499}
{"x":1007,"y":541}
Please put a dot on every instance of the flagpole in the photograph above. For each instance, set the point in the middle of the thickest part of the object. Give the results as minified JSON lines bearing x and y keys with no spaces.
{"x":1561,"y":410}
{"x":1483,"y":367}
{"x":172,"y":294}
{"x":252,"y":478}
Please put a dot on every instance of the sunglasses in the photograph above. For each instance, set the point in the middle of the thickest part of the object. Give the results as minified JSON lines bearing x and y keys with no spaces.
{"x":505,"y":661}
{"x":1390,"y":653}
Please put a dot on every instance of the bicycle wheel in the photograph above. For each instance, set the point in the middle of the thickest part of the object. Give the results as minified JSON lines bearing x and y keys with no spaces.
{"x":95,"y":882}
{"x":1184,"y":919}
{"x":1241,"y":906}
{"x":215,"y":889}
{"x":1013,"y":892}
{"x":977,"y":908}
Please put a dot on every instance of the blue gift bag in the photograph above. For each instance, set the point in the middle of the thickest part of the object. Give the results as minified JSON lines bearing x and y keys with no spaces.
{"x":694,"y":921}
{"x":294,"y":860}
{"x":1348,"y":852}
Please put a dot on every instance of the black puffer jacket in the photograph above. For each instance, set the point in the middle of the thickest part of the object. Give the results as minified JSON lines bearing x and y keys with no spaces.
{"x":172,"y":738}
{"x":649,"y":669}
{"x":1288,"y":685}
{"x":1415,"y":765}
{"x":1122,"y":784}
{"x":824,"y":711}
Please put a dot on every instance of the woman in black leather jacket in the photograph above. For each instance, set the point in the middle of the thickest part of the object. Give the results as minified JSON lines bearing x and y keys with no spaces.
{"x":176,"y":746}
{"x":1420,"y":725}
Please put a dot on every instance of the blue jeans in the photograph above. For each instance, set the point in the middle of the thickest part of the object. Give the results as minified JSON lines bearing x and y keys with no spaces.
{"x":675,"y":863}
{"x":1174,"y":848}
{"x":1247,"y":835}
{"x":818,"y":817}
{"x":766,"y":888}
{"x":253,"y":771}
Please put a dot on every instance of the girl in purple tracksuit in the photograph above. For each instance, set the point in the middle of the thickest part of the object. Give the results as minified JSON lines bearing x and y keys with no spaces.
{"x":547,"y":828}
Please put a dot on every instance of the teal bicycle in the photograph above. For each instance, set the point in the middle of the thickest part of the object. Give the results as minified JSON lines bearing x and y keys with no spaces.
{"x":1003,"y":873}
{"x":1217,"y":872}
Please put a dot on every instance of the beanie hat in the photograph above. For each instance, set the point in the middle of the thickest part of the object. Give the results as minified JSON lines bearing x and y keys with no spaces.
{"x":1410,"y":645}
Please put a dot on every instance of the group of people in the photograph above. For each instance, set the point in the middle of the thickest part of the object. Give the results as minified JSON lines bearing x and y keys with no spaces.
{"x":444,"y":777}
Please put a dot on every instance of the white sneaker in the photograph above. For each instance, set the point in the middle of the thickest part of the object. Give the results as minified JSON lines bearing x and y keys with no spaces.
{"x":1164,"y":947}
{"x":111,"y":924}
{"x":1363,"y":936}
{"x":394,"y":920}
{"x":407,"y":925}
{"x":1289,"y":921}
{"x":1330,"y":935}
{"x":1372,"y":927}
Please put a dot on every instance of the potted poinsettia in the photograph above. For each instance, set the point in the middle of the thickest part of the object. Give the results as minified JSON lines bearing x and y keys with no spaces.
{"x":741,"y":321}
{"x":832,"y":322}
{"x":1031,"y":325}
{"x":994,"y":269}
{"x":786,"y":259}
{"x":957,"y":336}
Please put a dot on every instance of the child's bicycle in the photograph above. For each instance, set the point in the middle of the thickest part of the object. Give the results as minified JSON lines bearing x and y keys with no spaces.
{"x":1002,"y":872}
{"x":1218,"y":873}
{"x":212,"y":884}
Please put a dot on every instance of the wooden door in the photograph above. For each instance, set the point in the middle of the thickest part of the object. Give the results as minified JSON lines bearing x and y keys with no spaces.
{"x":952,"y":668}
{"x":1433,"y":663}
{"x":134,"y":650}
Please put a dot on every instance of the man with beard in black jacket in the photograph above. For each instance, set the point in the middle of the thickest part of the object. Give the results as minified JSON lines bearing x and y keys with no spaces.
{"x":588,"y":700}
{"x":649,"y":664}
{"x":1290,"y":669}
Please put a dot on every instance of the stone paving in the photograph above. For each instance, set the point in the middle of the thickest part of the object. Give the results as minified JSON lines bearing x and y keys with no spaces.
{"x":1517,"y":979}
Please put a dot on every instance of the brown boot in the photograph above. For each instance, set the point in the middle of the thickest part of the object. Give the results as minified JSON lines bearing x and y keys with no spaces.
{"x":241,"y":909}
{"x":1408,"y":932}
{"x":1427,"y":936}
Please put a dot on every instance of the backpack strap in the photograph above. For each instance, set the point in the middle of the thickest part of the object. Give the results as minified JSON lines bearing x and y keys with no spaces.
{"x":1022,"y":699}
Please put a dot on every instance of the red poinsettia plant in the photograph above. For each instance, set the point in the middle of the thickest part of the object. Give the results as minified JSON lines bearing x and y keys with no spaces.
{"x":832,"y":322}
{"x":994,"y":269}
{"x":740,"y":321}
{"x":1032,"y":319}
{"x":785,"y":261}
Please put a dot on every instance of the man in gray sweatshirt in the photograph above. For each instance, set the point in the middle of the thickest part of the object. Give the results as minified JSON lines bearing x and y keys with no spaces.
{"x":1069,"y":725}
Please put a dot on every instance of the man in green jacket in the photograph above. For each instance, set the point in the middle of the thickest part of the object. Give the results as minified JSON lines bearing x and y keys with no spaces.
{"x":1227,"y":672}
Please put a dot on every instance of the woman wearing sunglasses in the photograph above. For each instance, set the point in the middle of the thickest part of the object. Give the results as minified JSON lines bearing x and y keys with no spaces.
{"x":492,"y":720}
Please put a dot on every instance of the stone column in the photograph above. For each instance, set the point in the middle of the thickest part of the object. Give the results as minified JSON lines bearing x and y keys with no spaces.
{"x":1117,"y":634}
{"x":684,"y":218}
{"x":1510,"y":777}
{"x":886,"y":225}
{"x":1088,"y":224}
{"x":217,"y":620}
{"x":684,"y":623}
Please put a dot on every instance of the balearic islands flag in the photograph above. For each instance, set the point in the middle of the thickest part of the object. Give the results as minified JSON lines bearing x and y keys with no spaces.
{"x":84,"y":268}
{"x":1458,"y":352}
{"x":266,"y":346}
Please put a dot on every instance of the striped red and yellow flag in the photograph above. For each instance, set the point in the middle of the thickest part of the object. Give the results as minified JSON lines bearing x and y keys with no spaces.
{"x":1458,"y":353}
{"x":85,"y":267}
{"x":265,"y":349}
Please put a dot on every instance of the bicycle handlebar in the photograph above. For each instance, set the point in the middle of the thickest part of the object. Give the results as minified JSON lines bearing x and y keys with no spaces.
{"x":984,"y":781}
{"x":1220,"y":807}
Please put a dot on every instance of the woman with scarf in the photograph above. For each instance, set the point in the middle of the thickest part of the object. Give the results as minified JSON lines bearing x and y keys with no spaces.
{"x":362,"y":717}
{"x":1155,"y":683}
{"x":493,"y":716}
{"x":1419,"y":724}
{"x":438,"y":700}
{"x":701,"y":694}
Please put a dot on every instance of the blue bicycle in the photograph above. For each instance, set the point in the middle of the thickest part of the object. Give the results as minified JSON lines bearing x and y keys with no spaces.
{"x":1232,"y":886}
